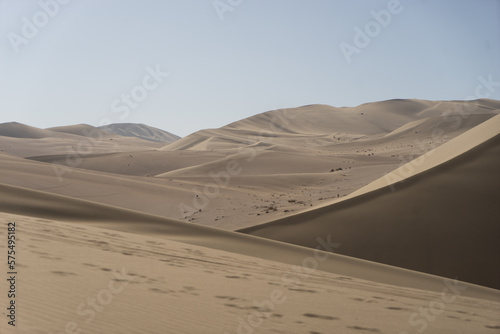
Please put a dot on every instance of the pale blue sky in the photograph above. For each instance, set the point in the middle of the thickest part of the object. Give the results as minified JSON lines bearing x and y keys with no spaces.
{"x":264,"y":54}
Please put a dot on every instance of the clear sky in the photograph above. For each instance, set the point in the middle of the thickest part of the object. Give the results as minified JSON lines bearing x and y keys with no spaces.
{"x":90,"y":61}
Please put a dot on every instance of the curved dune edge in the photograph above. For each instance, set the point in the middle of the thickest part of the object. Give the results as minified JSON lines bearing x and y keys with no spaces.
{"x":39,"y":204}
{"x":440,"y":218}
{"x":165,"y":286}
{"x":315,"y":120}
{"x":435,"y":157}
{"x":441,"y":154}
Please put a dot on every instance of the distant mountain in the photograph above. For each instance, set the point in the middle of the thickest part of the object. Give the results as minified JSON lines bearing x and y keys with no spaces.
{"x":27,"y":141}
{"x":80,"y":130}
{"x":140,"y":131}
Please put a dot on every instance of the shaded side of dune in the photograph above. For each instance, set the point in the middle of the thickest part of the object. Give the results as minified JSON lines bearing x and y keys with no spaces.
{"x":444,"y":221}
{"x":40,"y":204}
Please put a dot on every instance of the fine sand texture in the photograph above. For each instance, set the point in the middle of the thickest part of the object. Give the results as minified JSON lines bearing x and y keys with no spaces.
{"x":90,"y":280}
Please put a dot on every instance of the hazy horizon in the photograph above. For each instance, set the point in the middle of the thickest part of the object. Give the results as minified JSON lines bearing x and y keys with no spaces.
{"x":230,"y":122}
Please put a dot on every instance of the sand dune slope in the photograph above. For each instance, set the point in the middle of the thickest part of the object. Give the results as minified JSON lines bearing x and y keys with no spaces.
{"x":347,"y":123}
{"x":138,"y":163}
{"x":97,"y":251}
{"x":438,"y":214}
{"x":81,"y":130}
{"x":169,"y":196}
{"x":48,"y":206}
{"x":19,"y":130}
{"x":140,"y":131}
{"x":78,"y":140}
{"x":144,"y":194}
{"x":283,"y":161}
{"x":75,"y":278}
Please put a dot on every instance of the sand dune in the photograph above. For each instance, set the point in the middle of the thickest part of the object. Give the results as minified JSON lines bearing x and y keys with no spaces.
{"x":119,"y":170}
{"x":138,"y":163}
{"x":75,"y":140}
{"x":158,"y":197}
{"x":283,"y":125}
{"x":100,"y":281}
{"x":55,"y":207}
{"x":269,"y":161}
{"x":241,"y":203}
{"x":18,"y":130}
{"x":82,"y":130}
{"x":141,"y":131}
{"x":437,"y":214}
{"x":366,"y":211}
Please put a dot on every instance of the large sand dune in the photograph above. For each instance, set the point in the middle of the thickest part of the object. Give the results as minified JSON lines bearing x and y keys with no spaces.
{"x":299,"y":127}
{"x":82,"y":140}
{"x":284,"y":158}
{"x":55,"y":207}
{"x":437,"y":214}
{"x":140,"y":131}
{"x":351,"y":216}
{"x":80,"y":278}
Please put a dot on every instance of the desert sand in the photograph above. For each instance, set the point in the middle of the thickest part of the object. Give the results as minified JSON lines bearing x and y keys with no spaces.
{"x":422,"y":216}
{"x":314,"y":219}
{"x":95,"y":280}
{"x":284,"y":159}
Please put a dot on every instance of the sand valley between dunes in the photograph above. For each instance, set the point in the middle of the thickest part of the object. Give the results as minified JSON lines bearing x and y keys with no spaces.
{"x":382,"y":218}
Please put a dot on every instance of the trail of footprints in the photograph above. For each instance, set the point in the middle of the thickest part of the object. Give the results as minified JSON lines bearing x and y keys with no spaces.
{"x":227,"y":267}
